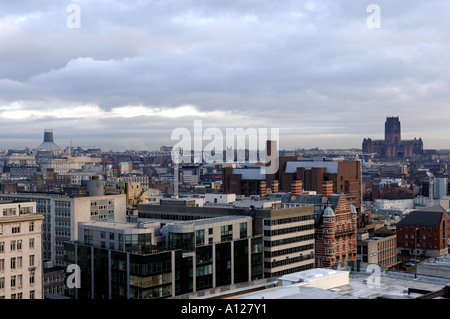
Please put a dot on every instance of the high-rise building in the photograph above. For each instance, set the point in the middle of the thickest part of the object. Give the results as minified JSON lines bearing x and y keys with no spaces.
{"x":393,"y":145}
{"x":20,"y":251}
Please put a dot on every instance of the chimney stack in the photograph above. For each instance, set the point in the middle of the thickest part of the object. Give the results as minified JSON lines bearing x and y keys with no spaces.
{"x":275,"y":187}
{"x":296,"y":187}
{"x":262,"y":189}
{"x":327,"y":188}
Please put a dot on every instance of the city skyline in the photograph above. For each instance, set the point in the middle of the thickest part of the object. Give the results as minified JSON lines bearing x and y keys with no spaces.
{"x":132,"y":73}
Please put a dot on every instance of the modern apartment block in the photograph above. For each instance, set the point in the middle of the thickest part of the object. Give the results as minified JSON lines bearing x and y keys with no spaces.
{"x":288,"y":233}
{"x":153,"y":259}
{"x":20,"y":251}
{"x":62,"y":214}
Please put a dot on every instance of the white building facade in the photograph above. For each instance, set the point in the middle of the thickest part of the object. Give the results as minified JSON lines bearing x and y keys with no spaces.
{"x":20,"y":251}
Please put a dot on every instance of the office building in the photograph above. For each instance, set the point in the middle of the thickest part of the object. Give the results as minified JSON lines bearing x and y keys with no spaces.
{"x":153,"y":259}
{"x":288,"y":233}
{"x":378,"y":249}
{"x":62,"y":214}
{"x":20,"y":251}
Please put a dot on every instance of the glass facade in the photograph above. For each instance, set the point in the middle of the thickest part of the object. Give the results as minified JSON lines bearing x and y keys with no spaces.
{"x":138,"y":243}
{"x":223,"y":264}
{"x":184,"y":275}
{"x":226,"y":233}
{"x":256,"y":259}
{"x":241,"y":260}
{"x":204,"y":267}
{"x":133,"y":275}
{"x":184,"y":241}
{"x":151,"y":276}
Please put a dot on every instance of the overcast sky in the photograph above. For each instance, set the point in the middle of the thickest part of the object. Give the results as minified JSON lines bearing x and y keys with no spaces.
{"x":135,"y":70}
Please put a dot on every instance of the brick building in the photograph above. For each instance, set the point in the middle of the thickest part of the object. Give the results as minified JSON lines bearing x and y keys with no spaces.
{"x":309,"y":172}
{"x":335,"y":222}
{"x":424,"y":232}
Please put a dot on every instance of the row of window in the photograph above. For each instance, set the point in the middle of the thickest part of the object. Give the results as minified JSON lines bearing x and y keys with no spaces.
{"x":16,"y":262}
{"x":16,"y":281}
{"x":288,"y":261}
{"x":269,"y":254}
{"x":424,"y":245}
{"x":16,"y":228}
{"x":424,"y":237}
{"x":16,"y":245}
{"x":286,"y":241}
{"x":412,"y":228}
{"x":281,"y":221}
{"x":289,"y":230}
{"x":20,"y":295}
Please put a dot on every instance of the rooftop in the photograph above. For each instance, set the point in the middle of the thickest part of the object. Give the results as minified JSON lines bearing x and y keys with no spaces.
{"x":390,"y":285}
{"x":430,"y":216}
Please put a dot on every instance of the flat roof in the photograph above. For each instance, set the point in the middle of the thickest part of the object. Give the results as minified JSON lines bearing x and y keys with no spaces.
{"x":391,"y":285}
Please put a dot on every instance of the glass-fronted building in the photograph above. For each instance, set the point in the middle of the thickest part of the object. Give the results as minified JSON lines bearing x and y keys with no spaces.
{"x":151,"y":260}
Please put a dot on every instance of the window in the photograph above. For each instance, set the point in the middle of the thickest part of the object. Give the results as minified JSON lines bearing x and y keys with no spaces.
{"x":2,"y":247}
{"x":19,"y":262}
{"x":32,"y":278}
{"x":226,"y":232}
{"x":31,"y":243}
{"x":15,"y":228}
{"x":13,"y":281}
{"x":31,"y":260}
{"x":2,"y":264}
{"x":31,"y":226}
{"x":13,"y":263}
{"x":200,"y":237}
{"x":32,"y":294}
{"x":2,"y":283}
{"x":19,"y":245}
{"x":12,"y":245}
{"x":243,"y":230}
{"x":111,"y":236}
{"x":1,"y":229}
{"x":9,"y":211}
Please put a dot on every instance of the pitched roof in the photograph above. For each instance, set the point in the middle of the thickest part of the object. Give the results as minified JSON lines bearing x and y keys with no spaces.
{"x":430,"y":216}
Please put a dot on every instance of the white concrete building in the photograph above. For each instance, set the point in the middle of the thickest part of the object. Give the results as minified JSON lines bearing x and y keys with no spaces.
{"x":21,"y":269}
{"x":397,"y":204}
{"x":220,"y":198}
{"x":62,"y":215}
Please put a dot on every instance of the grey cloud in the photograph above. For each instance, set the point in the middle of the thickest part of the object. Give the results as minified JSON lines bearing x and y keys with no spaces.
{"x":306,"y":66}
